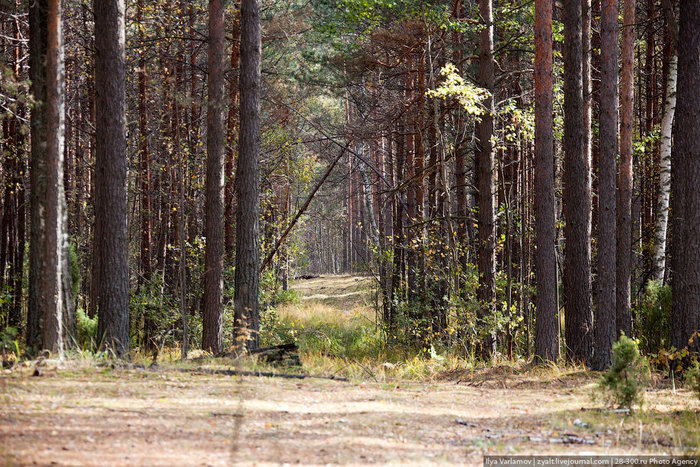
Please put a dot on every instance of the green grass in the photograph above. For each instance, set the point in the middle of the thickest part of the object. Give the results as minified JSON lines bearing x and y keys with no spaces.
{"x":335,"y":327}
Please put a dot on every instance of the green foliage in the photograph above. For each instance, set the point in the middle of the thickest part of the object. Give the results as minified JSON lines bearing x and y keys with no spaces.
{"x":354,"y":339}
{"x":86,"y":330}
{"x":154,"y":314}
{"x":625,"y":381}
{"x":469,"y":96}
{"x":652,"y":322}
{"x":641,"y":145}
{"x":9,"y":342}
{"x":284,"y":297}
{"x":366,"y":15}
{"x":518,"y":123}
{"x":692,"y":378}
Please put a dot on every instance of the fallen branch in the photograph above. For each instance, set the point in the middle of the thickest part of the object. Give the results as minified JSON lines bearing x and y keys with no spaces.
{"x":566,"y":438}
{"x":598,"y":409}
{"x":260,"y":374}
{"x":290,"y":347}
{"x":285,"y":354}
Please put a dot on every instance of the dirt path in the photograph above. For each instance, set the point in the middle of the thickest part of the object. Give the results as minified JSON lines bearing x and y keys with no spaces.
{"x":79,"y":414}
{"x":162,"y":418}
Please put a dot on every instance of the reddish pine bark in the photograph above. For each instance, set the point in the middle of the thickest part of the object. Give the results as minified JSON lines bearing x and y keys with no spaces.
{"x":546,"y":328}
{"x":212,"y":330}
{"x":623,"y":317}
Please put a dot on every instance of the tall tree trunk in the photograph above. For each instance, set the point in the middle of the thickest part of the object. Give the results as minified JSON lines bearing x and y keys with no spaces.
{"x":485,"y":155}
{"x":38,"y":37}
{"x":212,"y":330}
{"x":460,"y":151}
{"x":419,"y":164}
{"x":685,"y":310}
{"x":546,"y":328}
{"x":110,"y":176}
{"x":576,"y":196}
{"x":605,"y":310}
{"x":51,"y":286}
{"x":665,"y":170}
{"x":247,"y":314}
{"x":623,"y":316}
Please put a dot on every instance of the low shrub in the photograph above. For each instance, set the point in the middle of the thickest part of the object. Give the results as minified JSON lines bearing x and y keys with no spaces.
{"x":652,"y":323}
{"x":625,"y":382}
{"x":86,"y":330}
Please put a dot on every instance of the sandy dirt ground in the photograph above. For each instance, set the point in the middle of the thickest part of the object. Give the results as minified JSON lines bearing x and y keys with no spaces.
{"x":166,"y":417}
{"x":81,"y":414}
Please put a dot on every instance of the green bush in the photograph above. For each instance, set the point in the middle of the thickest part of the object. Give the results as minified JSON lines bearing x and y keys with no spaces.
{"x":652,"y":322}
{"x":154,"y":315}
{"x":284,"y":297}
{"x":9,"y":342}
{"x":625,"y":381}
{"x":86,"y":330}
{"x":692,"y":378}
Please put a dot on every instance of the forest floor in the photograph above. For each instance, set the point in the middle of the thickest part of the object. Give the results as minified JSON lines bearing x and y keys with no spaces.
{"x":81,"y":413}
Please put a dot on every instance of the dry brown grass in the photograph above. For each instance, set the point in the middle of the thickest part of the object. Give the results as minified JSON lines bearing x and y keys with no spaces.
{"x":391,"y":412}
{"x":122,"y":417}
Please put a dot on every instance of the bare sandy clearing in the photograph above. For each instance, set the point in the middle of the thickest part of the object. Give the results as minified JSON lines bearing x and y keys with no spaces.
{"x":169,"y":417}
{"x":142,"y":418}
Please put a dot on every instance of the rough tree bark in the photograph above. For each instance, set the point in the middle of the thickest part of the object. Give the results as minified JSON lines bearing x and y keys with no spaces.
{"x":212,"y":329}
{"x":51,"y":280}
{"x":247,"y":314}
{"x":38,"y":37}
{"x":605,"y":310}
{"x":586,"y":77}
{"x":50,"y":319}
{"x":623,"y":257}
{"x":546,"y":329}
{"x":664,"y":195}
{"x":576,"y":196}
{"x":110,"y":176}
{"x":685,"y":309}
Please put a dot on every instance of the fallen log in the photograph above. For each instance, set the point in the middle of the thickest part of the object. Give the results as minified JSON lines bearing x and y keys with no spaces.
{"x":284,"y":354}
{"x":306,"y":277}
{"x":601,"y":410}
{"x":261,"y":374}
